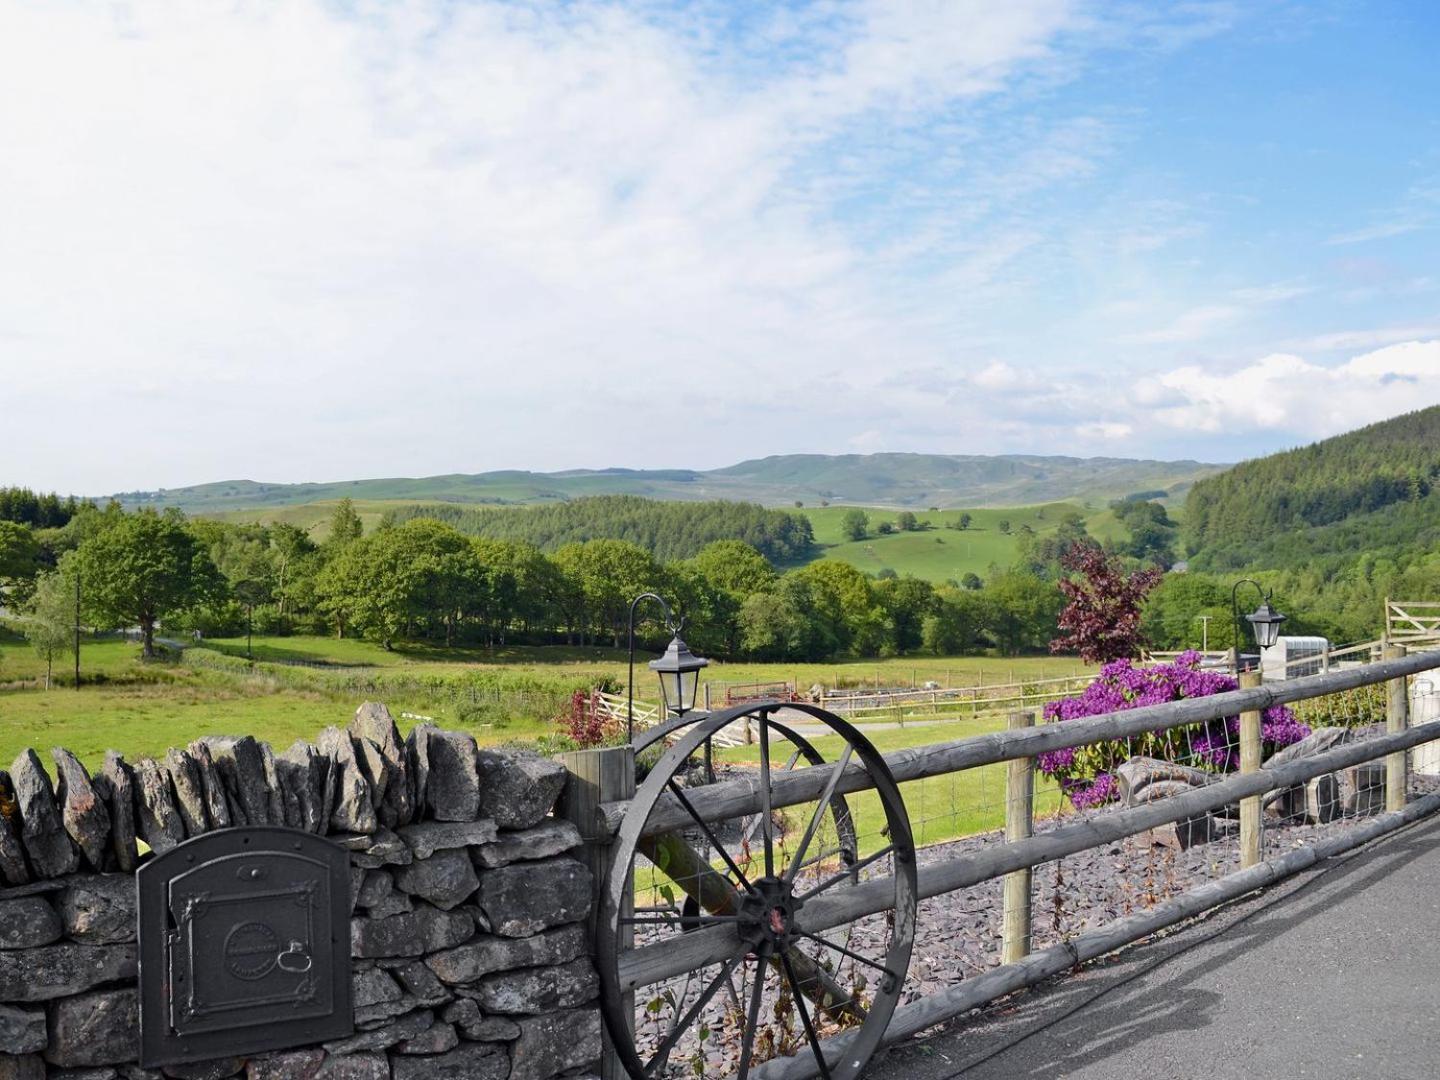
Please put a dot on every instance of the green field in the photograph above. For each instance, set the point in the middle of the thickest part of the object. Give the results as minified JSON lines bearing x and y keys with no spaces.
{"x":939,"y":553}
{"x":142,"y":708}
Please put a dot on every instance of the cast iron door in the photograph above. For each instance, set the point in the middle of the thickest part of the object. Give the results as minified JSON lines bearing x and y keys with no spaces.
{"x":244,"y":945}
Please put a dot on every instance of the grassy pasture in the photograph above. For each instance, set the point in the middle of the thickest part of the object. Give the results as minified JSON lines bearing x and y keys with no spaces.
{"x":141,"y":708}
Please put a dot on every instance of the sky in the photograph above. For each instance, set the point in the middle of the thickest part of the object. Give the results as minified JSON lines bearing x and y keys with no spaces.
{"x":292,"y":241}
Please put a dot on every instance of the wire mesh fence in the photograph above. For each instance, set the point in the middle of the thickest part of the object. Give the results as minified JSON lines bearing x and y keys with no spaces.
{"x":797,"y":979}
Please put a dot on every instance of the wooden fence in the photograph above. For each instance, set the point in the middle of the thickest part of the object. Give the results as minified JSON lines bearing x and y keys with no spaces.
{"x":1021,"y":851}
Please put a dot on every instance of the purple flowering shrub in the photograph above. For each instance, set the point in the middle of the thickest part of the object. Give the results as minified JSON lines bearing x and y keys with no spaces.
{"x":1087,"y":773}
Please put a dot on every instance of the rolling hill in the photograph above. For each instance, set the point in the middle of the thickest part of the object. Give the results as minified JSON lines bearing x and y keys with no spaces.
{"x":916,"y":481}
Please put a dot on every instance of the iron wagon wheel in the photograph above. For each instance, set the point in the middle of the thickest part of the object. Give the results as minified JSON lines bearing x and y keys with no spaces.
{"x":804,"y":750}
{"x":769,"y":966}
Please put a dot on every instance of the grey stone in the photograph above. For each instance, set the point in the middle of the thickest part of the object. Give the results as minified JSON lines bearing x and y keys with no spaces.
{"x":99,"y":909}
{"x":284,"y":808}
{"x":353,"y":810}
{"x":381,"y":1013}
{"x":539,"y":990}
{"x":555,"y":1042}
{"x":446,"y":879}
{"x":484,"y":955}
{"x":287,"y":1065}
{"x":413,"y":933}
{"x":189,"y":790}
{"x":417,"y":765}
{"x":543,"y":841}
{"x":367,"y":1066}
{"x":452,"y":782}
{"x":469,"y":1061}
{"x":23,"y":1031}
{"x":54,"y":971}
{"x":525,"y":898}
{"x":427,"y":837}
{"x":303,"y":768}
{"x":518,"y":787}
{"x":241,"y":765}
{"x":28,"y":922}
{"x":14,"y":870}
{"x":473,"y":1024}
{"x":212,"y":787}
{"x":374,"y":723}
{"x":373,"y":986}
{"x":121,"y":780}
{"x":1362,"y":788}
{"x":101,"y":1028}
{"x":160,"y":824}
{"x":215,"y":1069}
{"x":42,"y":831}
{"x":22,"y":1067}
{"x":406,"y":1027}
{"x":84,"y":814}
{"x":435,"y":1040}
{"x":99,"y":1072}
{"x":379,"y":897}
{"x":421,"y":982}
{"x":1139,"y":772}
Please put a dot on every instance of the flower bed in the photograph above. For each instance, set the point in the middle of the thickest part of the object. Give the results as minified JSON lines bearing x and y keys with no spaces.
{"x":1086,"y":774}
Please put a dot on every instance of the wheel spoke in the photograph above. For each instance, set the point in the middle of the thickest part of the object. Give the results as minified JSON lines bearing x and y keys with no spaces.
{"x":683,"y":1024}
{"x":849,"y":871}
{"x":674,"y":920}
{"x":767,"y":826}
{"x":747,"y":1040}
{"x":805,"y":1016}
{"x":819,"y":815}
{"x":679,"y":793}
{"x":846,"y":952}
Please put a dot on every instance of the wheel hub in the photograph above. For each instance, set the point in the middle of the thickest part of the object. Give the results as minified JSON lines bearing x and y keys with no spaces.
{"x":770,"y":910}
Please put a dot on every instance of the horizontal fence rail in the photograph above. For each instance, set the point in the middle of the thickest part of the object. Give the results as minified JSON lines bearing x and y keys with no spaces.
{"x":644,"y":966}
{"x":735,"y":798}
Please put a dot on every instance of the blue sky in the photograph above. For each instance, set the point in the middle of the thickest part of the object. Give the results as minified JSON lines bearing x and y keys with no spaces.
{"x":314,"y":241}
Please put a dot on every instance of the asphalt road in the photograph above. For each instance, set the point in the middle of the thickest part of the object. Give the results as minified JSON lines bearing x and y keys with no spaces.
{"x":1334,"y":973}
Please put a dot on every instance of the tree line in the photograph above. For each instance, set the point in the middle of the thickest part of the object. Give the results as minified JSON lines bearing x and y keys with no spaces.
{"x":667,"y":530}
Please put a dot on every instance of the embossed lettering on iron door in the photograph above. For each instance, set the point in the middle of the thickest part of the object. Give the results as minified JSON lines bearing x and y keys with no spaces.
{"x":244,"y":945}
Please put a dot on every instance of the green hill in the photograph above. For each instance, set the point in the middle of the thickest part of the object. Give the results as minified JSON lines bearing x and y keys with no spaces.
{"x":1341,"y":496}
{"x":917,"y":481}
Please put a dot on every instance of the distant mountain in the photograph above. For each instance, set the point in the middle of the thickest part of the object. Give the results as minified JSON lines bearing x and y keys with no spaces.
{"x":900,"y":480}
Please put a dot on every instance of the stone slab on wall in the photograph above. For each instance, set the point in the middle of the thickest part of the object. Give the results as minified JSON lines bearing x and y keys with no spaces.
{"x":471,"y":958}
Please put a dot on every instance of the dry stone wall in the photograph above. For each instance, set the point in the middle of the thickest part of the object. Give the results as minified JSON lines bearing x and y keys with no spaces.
{"x":471,"y":957}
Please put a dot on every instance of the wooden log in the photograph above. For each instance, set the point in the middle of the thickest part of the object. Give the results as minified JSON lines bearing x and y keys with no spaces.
{"x":909,"y":1020}
{"x":1250,"y":823}
{"x":708,"y":946}
{"x":1397,"y":718}
{"x":1019,"y":825}
{"x":598,"y":776}
{"x":738,"y":798}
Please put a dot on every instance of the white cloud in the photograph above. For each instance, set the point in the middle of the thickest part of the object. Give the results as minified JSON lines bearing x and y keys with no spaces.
{"x":1284,"y":392}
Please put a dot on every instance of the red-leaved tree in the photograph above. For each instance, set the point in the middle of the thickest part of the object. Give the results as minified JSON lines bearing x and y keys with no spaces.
{"x":1101,"y":620}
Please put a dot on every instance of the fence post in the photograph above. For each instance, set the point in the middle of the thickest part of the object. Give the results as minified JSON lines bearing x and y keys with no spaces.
{"x":1019,"y":824}
{"x":1397,"y":718}
{"x":602,"y":775}
{"x":1249,"y":763}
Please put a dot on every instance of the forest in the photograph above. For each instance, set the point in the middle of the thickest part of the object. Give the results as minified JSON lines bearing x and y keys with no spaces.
{"x":667,"y":530}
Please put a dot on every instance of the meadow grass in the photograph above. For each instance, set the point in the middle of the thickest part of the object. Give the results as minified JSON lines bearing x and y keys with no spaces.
{"x":938,"y":553}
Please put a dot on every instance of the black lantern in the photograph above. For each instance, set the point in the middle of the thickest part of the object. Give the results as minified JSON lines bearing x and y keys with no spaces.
{"x":1264,"y":620}
{"x":679,"y":671}
{"x":1265,"y":624}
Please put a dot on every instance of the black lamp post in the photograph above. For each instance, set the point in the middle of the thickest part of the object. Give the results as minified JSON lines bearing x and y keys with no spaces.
{"x":678,"y":668}
{"x":1264,"y":620}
